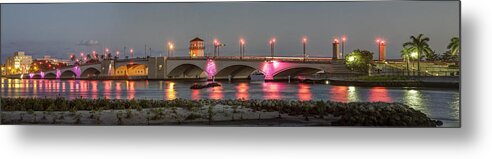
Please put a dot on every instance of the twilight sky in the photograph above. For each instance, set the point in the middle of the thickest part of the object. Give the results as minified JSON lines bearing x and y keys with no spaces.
{"x":61,"y":29}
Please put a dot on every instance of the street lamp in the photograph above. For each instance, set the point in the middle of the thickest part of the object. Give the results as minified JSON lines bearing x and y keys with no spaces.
{"x":241,"y":48}
{"x":304,"y":41}
{"x":272,"y":47}
{"x":343,"y":45}
{"x":170,"y":48}
{"x":216,"y":46}
{"x":131,"y":53}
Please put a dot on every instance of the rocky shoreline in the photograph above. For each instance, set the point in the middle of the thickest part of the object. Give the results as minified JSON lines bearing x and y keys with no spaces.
{"x":207,"y":112}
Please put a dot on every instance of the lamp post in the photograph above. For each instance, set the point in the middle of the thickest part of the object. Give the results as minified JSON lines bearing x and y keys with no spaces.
{"x":106,"y":51}
{"x":170,"y":47}
{"x":304,"y":41}
{"x":131,"y":53}
{"x":216,"y":46}
{"x":378,"y":41}
{"x":241,"y":48}
{"x":272,"y":47}
{"x":343,"y":45}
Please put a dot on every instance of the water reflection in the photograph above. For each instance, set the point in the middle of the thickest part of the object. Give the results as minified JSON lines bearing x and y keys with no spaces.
{"x":216,"y":93}
{"x":271,"y":90}
{"x":304,"y":92}
{"x":379,"y":94}
{"x":339,"y":93}
{"x":195,"y":94}
{"x":439,"y":103}
{"x":170,"y":92}
{"x":242,"y":91}
{"x":413,"y":98}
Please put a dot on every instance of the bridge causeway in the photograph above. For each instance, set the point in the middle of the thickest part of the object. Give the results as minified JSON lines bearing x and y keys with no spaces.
{"x":273,"y":68}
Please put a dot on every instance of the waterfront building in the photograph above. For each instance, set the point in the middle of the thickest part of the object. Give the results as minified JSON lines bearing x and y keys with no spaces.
{"x":3,"y":70}
{"x":197,"y":47}
{"x":18,"y":63}
{"x":47,"y":63}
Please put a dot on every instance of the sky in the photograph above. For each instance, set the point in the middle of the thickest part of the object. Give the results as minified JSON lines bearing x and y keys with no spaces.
{"x":63,"y":29}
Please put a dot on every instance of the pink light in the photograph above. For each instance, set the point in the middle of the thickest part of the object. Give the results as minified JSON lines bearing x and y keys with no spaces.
{"x":378,"y":40}
{"x":273,"y":40}
{"x":344,"y":38}
{"x":242,"y":41}
{"x":42,"y":74}
{"x":304,"y":39}
{"x":107,"y":50}
{"x":382,"y":42}
{"x":335,"y":40}
{"x":58,"y":74}
{"x":117,"y":52}
{"x":211,"y":68}
{"x":31,"y":75}
{"x":216,"y":42}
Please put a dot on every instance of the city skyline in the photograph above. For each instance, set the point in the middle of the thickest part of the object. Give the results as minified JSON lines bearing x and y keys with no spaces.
{"x":40,"y":30}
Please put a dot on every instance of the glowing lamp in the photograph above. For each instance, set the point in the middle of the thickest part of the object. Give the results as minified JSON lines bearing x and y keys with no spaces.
{"x":351,"y":59}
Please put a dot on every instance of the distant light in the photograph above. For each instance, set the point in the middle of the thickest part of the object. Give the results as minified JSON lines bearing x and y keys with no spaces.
{"x":351,"y":58}
{"x":131,"y":50}
{"x":344,"y":39}
{"x":273,"y":40}
{"x":242,"y":41}
{"x":383,"y":42}
{"x":414,"y":54}
{"x":304,"y":39}
{"x":335,"y":40}
{"x":107,"y":50}
{"x":378,"y":40}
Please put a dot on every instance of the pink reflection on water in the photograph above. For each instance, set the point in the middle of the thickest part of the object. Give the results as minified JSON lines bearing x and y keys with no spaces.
{"x":94,"y":89}
{"x":216,"y":93}
{"x":195,"y":94}
{"x":130,"y":85}
{"x":304,"y":92}
{"x":379,"y":94}
{"x":107,"y":89}
{"x":339,"y":93}
{"x":118,"y":90}
{"x":242,"y":91}
{"x":272,"y":90}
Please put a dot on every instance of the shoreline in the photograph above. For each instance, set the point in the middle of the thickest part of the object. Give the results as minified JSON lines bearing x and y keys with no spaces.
{"x":60,"y":111}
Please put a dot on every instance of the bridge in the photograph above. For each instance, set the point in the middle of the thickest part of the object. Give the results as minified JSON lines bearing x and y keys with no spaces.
{"x":196,"y":68}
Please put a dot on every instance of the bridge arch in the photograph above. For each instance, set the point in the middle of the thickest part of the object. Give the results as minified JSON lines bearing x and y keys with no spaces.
{"x":187,"y":71}
{"x":295,"y":72}
{"x":235,"y":71}
{"x":50,"y":76}
{"x":68,"y":74}
{"x":36,"y":76}
{"x":90,"y":72}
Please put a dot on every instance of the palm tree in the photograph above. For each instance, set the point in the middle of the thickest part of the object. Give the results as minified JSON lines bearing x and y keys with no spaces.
{"x":454,"y":46}
{"x":406,"y":54}
{"x":420,"y":44}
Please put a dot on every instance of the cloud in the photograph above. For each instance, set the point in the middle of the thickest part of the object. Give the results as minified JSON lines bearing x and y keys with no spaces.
{"x":88,"y":43}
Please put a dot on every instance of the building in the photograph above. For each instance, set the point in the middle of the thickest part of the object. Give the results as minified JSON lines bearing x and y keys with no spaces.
{"x":18,"y":63}
{"x":197,"y":47}
{"x":50,"y":59}
{"x":3,"y":70}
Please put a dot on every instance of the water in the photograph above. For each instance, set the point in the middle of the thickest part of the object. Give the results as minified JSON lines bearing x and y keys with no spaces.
{"x":441,"y":104}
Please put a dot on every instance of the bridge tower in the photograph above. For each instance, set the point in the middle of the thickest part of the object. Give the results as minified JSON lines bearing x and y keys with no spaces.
{"x":197,"y":47}
{"x":336,"y":49}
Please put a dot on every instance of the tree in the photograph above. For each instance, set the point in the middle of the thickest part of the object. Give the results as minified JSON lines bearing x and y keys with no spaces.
{"x":420,"y":44}
{"x":406,"y":54}
{"x":454,"y":46}
{"x":432,"y":56}
{"x":359,"y":60}
{"x":449,"y":57}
